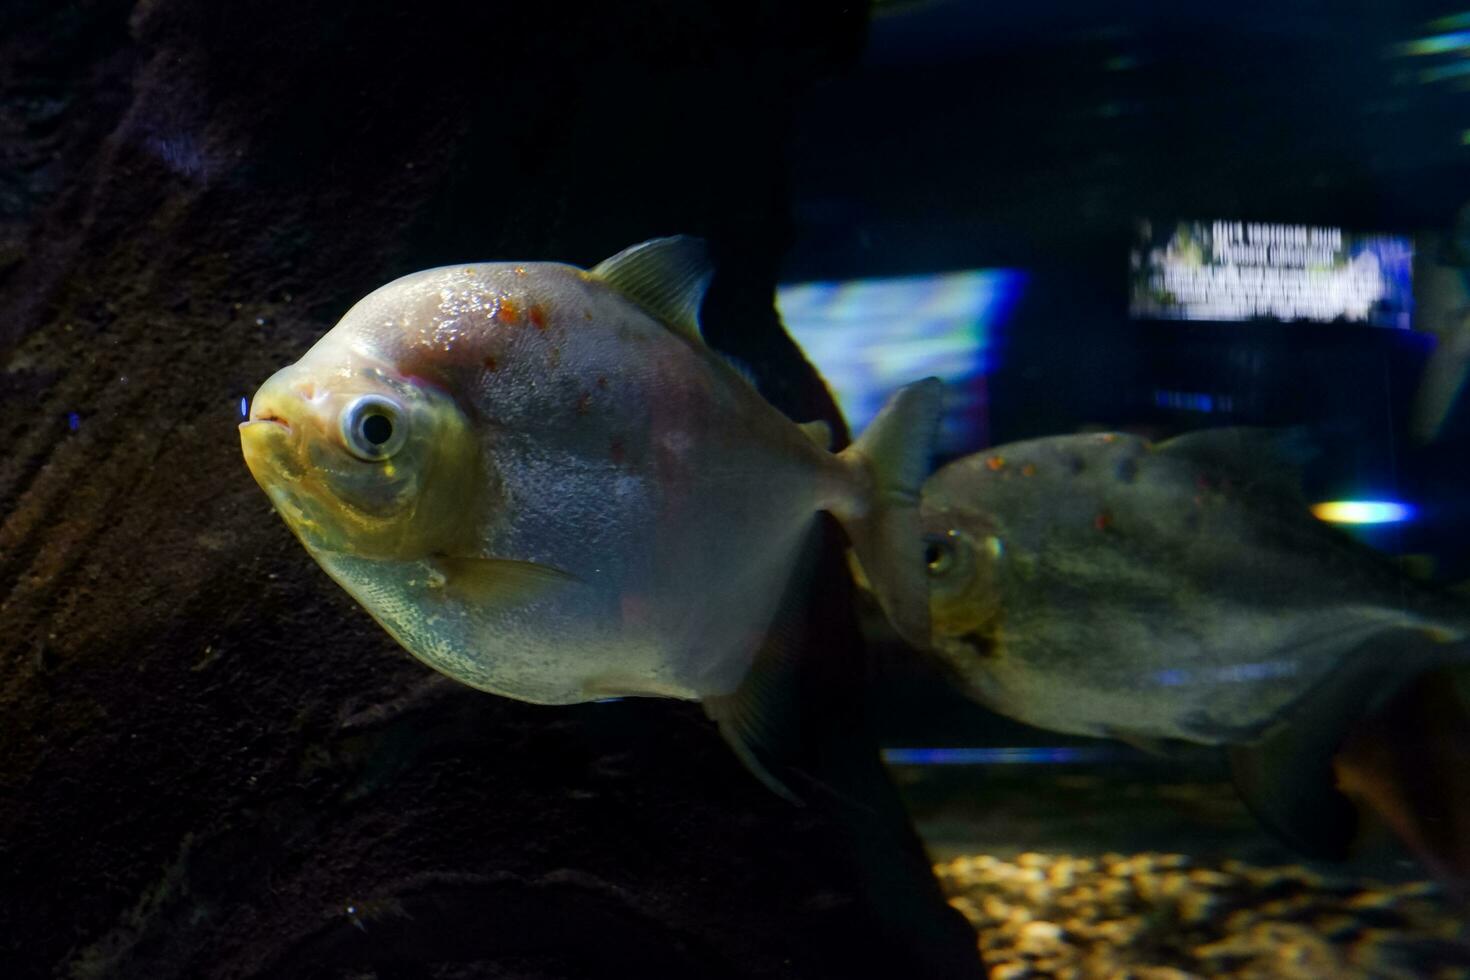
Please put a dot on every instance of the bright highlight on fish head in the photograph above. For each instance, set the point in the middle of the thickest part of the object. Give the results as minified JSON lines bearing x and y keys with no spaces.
{"x":363,"y":462}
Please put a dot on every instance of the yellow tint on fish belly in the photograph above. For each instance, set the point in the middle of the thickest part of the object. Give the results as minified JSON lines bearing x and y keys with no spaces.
{"x":564,"y":495}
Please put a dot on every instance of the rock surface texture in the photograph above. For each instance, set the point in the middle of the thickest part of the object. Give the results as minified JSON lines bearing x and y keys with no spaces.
{"x":212,"y":763}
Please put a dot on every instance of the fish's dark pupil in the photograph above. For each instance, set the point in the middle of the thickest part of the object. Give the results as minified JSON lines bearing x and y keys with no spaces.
{"x":934,"y":556}
{"x":377,"y":429}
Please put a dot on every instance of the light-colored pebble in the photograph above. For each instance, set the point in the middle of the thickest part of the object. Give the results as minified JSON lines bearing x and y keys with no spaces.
{"x":1206,"y":878}
{"x":1165,"y":917}
{"x":996,"y":908}
{"x":1040,"y":935}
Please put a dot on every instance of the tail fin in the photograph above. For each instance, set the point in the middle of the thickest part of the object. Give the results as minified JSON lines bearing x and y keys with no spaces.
{"x":889,"y":543}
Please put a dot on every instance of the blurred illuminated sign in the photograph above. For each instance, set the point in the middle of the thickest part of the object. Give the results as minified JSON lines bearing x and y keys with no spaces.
{"x":870,"y":337}
{"x":1232,"y":270}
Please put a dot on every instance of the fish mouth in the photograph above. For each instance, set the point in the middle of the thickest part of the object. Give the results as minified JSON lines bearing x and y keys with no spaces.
{"x":271,"y":445}
{"x":266,"y":419}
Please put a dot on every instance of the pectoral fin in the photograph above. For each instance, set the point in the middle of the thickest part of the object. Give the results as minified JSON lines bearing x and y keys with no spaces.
{"x":498,"y":581}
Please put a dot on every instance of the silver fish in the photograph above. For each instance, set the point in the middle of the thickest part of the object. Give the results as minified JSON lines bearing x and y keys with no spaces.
{"x":542,"y":483}
{"x":1102,"y":585}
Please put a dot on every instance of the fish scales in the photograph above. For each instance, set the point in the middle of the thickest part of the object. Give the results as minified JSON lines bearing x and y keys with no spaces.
{"x":540,"y":481}
{"x":1182,"y":591}
{"x":1155,"y":593}
{"x":664,"y":452}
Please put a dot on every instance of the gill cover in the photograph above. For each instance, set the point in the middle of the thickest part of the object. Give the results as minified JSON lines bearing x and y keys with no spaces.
{"x":368,"y":464}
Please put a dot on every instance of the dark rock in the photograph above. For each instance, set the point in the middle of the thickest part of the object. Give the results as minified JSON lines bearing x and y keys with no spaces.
{"x":214,"y":764}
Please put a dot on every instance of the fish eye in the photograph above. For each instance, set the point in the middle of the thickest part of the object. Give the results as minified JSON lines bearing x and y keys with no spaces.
{"x":373,"y":428}
{"x":939,"y":554}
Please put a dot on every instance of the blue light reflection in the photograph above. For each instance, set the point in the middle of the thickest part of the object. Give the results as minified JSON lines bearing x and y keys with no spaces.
{"x":1228,"y":674}
{"x":1011,"y":755}
{"x":1193,"y":401}
{"x":869,"y":337}
{"x":1439,"y":44}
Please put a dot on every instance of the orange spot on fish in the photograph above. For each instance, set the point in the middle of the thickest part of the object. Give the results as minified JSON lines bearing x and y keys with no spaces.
{"x":507,"y":312}
{"x":520,"y":270}
{"x":586,"y":314}
{"x":584,"y":403}
{"x":995,"y":463}
{"x":601,"y":381}
{"x":1109,"y":437}
{"x":1028,"y":470}
{"x":491,"y":364}
{"x":617,"y":452}
{"x":1103,"y":520}
{"x":538,"y":317}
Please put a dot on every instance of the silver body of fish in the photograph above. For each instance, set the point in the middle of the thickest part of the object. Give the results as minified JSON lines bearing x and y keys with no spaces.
{"x":1102,"y":585}
{"x":542,"y":483}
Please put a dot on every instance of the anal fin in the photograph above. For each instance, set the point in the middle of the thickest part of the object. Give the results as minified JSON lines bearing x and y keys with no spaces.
{"x":1292,"y":779}
{"x":761,"y":719}
{"x":1288,"y":785}
{"x":1287,"y":778}
{"x":1406,"y":764}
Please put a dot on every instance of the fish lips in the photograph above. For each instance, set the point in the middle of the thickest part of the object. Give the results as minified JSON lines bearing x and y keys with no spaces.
{"x":276,"y":455}
{"x":273,"y":437}
{"x":265,"y":437}
{"x":272,"y":447}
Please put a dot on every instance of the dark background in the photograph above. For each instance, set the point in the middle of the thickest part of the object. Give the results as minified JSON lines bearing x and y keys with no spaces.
{"x":1034,"y":136}
{"x":213,"y":764}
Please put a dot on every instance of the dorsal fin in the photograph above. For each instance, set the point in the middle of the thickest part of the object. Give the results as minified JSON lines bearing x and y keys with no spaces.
{"x":665,"y":276}
{"x":1272,"y":460}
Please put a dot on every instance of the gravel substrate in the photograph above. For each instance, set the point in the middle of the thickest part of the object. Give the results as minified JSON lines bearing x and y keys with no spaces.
{"x":1158,"y":916}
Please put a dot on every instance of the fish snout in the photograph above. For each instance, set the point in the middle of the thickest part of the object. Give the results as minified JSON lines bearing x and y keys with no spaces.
{"x":270,"y":445}
{"x":279,"y":415}
{"x":285,"y":401}
{"x":267,"y":415}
